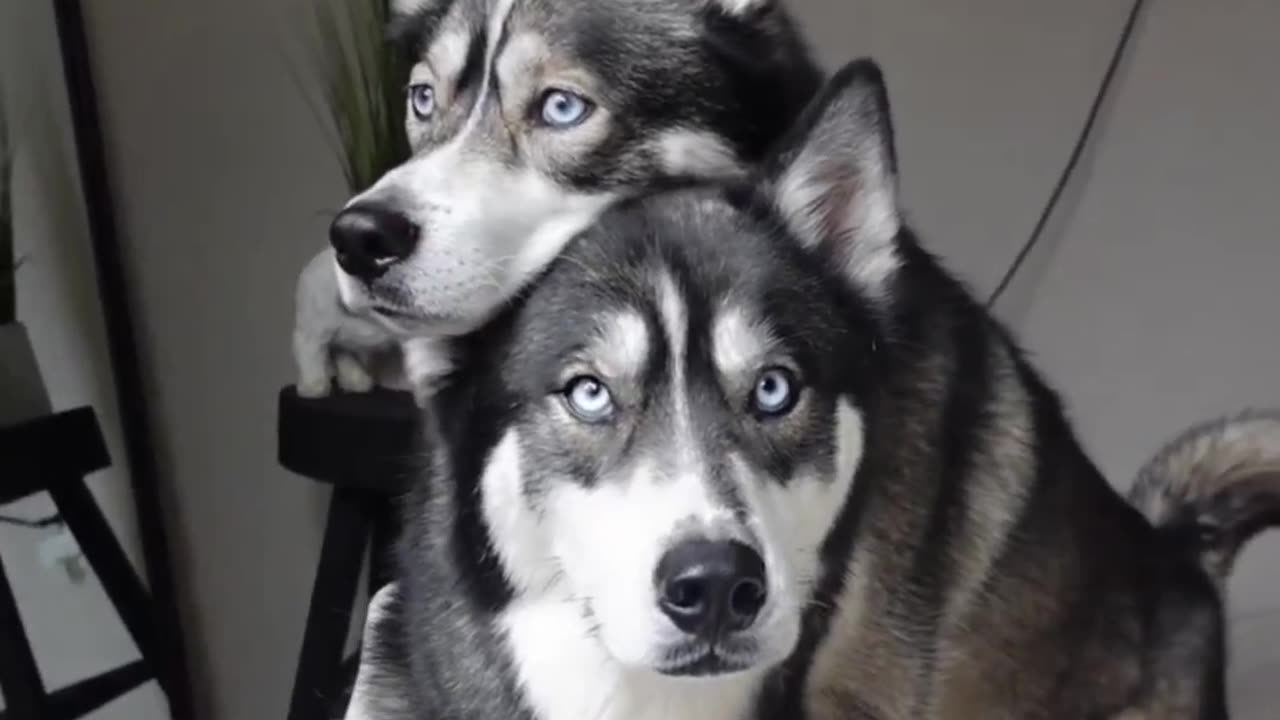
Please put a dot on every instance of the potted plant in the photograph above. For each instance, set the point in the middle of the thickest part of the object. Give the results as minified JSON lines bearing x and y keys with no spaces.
{"x":22,"y":392}
{"x":363,"y":81}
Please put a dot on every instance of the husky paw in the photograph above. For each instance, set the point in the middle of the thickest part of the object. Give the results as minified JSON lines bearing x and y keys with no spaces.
{"x":313,"y":388}
{"x":351,"y":375}
{"x":311,"y":353}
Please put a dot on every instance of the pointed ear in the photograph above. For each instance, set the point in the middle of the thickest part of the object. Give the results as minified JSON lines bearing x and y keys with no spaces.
{"x":408,"y":7}
{"x":834,"y":178}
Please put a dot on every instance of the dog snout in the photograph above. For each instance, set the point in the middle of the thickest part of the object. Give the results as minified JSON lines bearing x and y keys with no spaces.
{"x":368,"y":239}
{"x":710,"y":589}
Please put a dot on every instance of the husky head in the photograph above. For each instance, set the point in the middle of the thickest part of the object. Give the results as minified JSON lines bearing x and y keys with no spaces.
{"x":527,"y":117}
{"x":666,"y":426}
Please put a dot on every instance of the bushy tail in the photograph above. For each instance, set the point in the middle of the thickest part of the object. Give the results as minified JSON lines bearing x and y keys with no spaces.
{"x":1217,"y":484}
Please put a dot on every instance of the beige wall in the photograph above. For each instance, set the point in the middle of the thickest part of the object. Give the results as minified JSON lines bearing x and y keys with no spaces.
{"x":223,"y":184}
{"x":1151,"y":307}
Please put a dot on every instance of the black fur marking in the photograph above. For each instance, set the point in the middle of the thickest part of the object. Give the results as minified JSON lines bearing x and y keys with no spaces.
{"x":964,"y":420}
{"x":415,"y":31}
{"x":749,"y":48}
{"x":479,"y":567}
{"x":473,"y":67}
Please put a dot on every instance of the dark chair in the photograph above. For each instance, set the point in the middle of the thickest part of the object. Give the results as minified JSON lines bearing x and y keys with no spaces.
{"x":54,"y":454}
{"x":364,"y":445}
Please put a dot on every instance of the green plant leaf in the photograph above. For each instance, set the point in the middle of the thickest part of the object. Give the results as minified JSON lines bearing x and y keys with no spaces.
{"x":362,"y":80}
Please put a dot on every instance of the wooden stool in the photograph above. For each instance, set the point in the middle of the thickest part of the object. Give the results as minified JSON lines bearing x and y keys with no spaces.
{"x":365,"y":446}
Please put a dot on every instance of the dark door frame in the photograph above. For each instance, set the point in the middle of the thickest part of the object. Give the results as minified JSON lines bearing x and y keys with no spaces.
{"x":122,"y":346}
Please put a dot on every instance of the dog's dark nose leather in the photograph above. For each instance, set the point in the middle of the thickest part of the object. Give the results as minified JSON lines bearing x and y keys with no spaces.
{"x":367,"y":239}
{"x":710,"y":589}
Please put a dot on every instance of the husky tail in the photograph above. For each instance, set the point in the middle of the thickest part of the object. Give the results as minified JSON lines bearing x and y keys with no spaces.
{"x":1216,"y":485}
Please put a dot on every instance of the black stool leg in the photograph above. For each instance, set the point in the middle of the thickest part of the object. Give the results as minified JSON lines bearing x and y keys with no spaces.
{"x":111,"y":565}
{"x":19,"y":678}
{"x":346,"y":535}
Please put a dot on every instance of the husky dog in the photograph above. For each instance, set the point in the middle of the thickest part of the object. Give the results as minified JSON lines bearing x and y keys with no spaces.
{"x":749,"y":451}
{"x":528,"y":117}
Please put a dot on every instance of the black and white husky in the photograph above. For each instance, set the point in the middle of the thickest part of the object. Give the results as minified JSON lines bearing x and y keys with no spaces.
{"x":748,"y":451}
{"x":527,"y":118}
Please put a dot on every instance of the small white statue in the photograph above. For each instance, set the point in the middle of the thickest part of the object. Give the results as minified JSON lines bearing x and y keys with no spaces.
{"x":357,"y":349}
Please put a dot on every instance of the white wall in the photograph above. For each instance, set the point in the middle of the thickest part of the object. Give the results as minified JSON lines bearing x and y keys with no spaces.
{"x":223,"y":179}
{"x":73,"y":628}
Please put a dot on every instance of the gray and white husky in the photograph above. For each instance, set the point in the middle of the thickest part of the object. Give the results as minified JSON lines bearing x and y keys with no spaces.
{"x":747,"y":451}
{"x":527,"y":118}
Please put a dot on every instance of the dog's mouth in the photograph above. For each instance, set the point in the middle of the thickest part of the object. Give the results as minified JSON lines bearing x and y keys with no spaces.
{"x":401,"y":322}
{"x":413,"y":322}
{"x":395,"y":313}
{"x":361,"y":298}
{"x":705,"y":661}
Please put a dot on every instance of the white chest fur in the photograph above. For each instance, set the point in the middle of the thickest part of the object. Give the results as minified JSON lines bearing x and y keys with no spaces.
{"x":567,"y":675}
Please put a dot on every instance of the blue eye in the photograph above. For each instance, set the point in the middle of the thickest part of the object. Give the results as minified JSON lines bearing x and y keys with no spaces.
{"x":422,"y":100}
{"x":589,"y":399}
{"x":776,"y":392}
{"x":563,"y":109}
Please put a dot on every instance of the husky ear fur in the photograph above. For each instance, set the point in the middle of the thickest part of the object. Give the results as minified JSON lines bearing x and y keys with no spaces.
{"x":737,"y":8}
{"x":834,"y":179}
{"x":400,"y":8}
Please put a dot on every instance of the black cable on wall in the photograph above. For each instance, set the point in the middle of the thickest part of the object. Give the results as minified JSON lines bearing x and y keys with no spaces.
{"x":1082,"y":142}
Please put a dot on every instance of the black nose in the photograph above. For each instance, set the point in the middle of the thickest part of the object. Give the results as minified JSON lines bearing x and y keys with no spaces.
{"x":709,"y":588}
{"x":369,"y":238}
